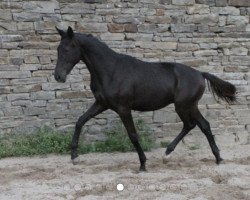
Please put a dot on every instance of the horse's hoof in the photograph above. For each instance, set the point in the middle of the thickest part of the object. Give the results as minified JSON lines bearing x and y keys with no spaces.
{"x":142,"y":169}
{"x":165,"y":158}
{"x":220,"y":161}
{"x":75,"y":161}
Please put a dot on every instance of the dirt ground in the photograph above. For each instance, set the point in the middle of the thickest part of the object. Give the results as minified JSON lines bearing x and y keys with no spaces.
{"x":188,"y":174}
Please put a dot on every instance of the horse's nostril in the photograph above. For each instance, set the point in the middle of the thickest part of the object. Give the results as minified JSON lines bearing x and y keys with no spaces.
{"x":57,"y":77}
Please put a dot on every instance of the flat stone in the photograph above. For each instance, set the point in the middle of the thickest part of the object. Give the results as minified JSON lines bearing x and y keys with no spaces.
{"x":27,"y":88}
{"x":248,"y":28}
{"x":5,"y":14}
{"x":228,"y":10}
{"x":147,"y":28}
{"x":11,"y":5}
{"x":221,"y":2}
{"x":236,"y":69}
{"x":4,"y":61}
{"x":167,"y":2}
{"x":42,"y":95}
{"x":16,"y":61}
{"x":14,"y":97}
{"x":13,"y":111}
{"x":201,"y":53}
{"x":207,"y":2}
{"x":131,"y":28}
{"x":158,"y":20}
{"x":245,"y":3}
{"x":41,"y":6}
{"x":195,"y":62}
{"x":160,"y":12}
{"x":94,"y":1}
{"x":5,"y":90}
{"x":71,"y":17}
{"x":128,"y":19}
{"x":157,"y":45}
{"x":34,"y":111}
{"x":92,"y":28}
{"x":183,"y":2}
{"x":77,"y":8}
{"x":31,"y":60}
{"x":54,"y":86}
{"x":114,"y":37}
{"x":11,"y":26}
{"x":44,"y":60}
{"x":198,"y":9}
{"x":26,"y":17}
{"x":237,"y":20}
{"x":239,"y":51}
{"x":4,"y":82}
{"x":208,"y":19}
{"x":187,"y":47}
{"x":115,"y":28}
{"x":70,"y":94}
{"x":15,"y":74}
{"x":183,"y":28}
{"x":4,"y":53}
{"x":159,"y":116}
{"x":107,"y":12}
{"x":11,"y":38}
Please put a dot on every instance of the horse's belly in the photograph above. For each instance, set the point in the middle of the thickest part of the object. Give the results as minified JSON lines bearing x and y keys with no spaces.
{"x":152,"y":103}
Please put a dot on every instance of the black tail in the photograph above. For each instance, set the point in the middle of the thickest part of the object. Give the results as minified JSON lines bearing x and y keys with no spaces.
{"x":223,"y":89}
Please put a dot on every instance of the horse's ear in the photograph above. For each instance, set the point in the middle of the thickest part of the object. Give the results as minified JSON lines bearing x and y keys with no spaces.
{"x":61,"y":32}
{"x":70,"y":32}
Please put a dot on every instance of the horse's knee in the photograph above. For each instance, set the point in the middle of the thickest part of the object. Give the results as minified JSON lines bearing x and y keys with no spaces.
{"x":78,"y":125}
{"x":80,"y":122}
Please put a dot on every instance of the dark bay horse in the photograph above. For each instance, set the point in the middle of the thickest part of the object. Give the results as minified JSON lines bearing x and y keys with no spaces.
{"x":123,"y":83}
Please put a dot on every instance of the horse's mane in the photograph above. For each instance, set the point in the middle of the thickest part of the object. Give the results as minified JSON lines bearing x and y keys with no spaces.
{"x":93,"y":43}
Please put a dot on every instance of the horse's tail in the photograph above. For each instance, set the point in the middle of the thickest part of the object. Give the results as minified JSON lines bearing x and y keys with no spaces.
{"x":223,"y":89}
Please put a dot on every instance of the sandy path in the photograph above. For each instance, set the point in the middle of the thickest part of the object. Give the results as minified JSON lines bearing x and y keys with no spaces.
{"x":189,"y":174}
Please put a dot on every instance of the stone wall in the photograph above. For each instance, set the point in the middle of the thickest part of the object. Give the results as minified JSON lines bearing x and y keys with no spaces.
{"x":209,"y":35}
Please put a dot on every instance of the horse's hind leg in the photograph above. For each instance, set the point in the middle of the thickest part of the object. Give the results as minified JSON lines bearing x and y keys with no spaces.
{"x":205,"y":128}
{"x":185,"y":113}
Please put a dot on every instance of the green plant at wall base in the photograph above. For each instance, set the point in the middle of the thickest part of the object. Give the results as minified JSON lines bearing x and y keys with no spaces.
{"x":118,"y":140}
{"x":165,"y":144}
{"x":45,"y":141}
{"x":194,"y":147}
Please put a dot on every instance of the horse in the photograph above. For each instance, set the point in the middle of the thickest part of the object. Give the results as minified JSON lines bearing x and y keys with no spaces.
{"x":123,"y":83}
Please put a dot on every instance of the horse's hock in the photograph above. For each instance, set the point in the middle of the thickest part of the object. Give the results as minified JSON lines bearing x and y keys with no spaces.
{"x":209,"y":35}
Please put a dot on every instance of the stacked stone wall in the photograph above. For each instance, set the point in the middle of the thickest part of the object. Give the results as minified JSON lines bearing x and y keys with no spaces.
{"x":209,"y":35}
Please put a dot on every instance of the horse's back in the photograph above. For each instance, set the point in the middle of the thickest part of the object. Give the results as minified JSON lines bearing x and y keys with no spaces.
{"x":154,"y":86}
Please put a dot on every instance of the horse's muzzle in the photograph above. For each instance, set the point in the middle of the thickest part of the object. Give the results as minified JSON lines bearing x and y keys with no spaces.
{"x":59,"y":78}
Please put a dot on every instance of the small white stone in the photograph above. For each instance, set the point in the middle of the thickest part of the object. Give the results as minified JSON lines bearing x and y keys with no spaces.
{"x":165,"y":158}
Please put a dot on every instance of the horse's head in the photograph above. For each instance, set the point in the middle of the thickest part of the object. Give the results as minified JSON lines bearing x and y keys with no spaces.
{"x":69,"y":54}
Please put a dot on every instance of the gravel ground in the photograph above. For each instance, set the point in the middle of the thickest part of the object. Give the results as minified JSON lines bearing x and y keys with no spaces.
{"x":188,"y":174}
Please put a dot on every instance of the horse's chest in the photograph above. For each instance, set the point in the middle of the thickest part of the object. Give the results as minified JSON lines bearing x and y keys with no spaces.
{"x":102,"y":94}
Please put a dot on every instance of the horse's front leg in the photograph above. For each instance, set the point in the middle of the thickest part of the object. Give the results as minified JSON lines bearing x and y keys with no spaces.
{"x":129,"y":125}
{"x":94,"y":110}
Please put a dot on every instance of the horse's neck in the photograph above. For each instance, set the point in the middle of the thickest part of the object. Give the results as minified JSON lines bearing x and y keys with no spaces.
{"x":99,"y":61}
